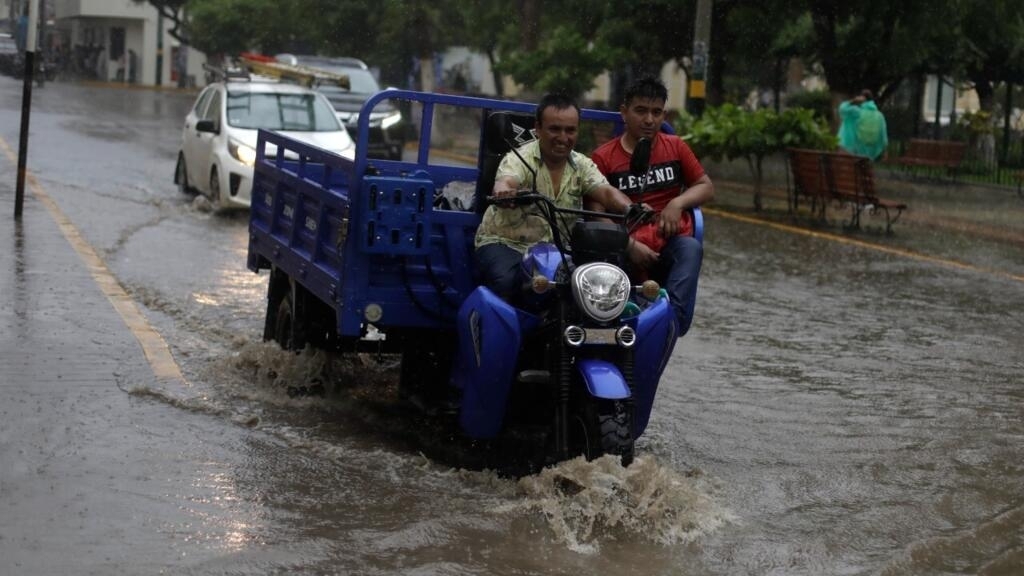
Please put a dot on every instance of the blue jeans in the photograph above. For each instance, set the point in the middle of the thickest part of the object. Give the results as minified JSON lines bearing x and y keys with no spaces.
{"x":501,"y":270}
{"x":677,"y":271}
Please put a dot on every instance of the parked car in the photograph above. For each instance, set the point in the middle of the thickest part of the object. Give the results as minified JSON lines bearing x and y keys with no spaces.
{"x":387,"y":132}
{"x":9,"y":57}
{"x":218,"y":147}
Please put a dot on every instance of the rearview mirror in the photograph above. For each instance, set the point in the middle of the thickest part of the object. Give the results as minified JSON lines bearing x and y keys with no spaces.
{"x":641,"y":158}
{"x":206,"y":126}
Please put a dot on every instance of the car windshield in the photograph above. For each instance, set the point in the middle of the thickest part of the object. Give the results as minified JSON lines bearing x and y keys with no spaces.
{"x":274,"y":111}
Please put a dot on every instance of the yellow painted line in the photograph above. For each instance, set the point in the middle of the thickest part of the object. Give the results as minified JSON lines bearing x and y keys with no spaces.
{"x":153,"y":345}
{"x":861,"y":244}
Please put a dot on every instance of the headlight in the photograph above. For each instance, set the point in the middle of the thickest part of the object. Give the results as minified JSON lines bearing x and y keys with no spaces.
{"x":391,"y":120}
{"x":384,"y":119}
{"x":601,"y":290}
{"x":241,"y":152}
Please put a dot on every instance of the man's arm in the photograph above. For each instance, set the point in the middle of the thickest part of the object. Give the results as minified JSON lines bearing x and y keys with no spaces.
{"x":606,"y":197}
{"x":698,"y":194}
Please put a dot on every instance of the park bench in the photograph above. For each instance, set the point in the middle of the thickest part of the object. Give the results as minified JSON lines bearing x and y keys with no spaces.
{"x":852,"y":180}
{"x":933,"y":154}
{"x":839,"y":177}
{"x":809,"y":180}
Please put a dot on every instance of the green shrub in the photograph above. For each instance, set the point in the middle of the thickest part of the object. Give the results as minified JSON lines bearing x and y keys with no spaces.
{"x":731,"y":132}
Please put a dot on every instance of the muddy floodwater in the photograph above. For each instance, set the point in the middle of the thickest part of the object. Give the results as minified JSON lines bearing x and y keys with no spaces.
{"x":845,"y":403}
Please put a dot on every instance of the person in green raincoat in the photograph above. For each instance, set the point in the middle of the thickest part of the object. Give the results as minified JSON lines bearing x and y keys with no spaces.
{"x":862,"y":130}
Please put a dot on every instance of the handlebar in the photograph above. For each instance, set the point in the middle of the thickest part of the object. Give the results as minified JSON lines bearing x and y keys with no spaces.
{"x":636,"y":215}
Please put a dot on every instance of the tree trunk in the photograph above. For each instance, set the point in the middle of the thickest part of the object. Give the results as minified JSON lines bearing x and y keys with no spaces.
{"x":529,"y":24}
{"x":427,"y":74}
{"x":720,"y":38}
{"x":755,"y":170}
{"x":499,"y":85}
{"x":986,"y":93}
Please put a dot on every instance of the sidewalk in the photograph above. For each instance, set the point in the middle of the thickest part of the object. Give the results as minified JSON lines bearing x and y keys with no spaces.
{"x":72,"y":441}
{"x":56,"y":325}
{"x":980,"y":226}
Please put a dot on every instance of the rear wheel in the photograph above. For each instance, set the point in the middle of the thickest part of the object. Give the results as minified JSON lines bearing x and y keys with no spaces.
{"x":604,"y":427}
{"x":284,"y":323}
{"x":281,"y":324}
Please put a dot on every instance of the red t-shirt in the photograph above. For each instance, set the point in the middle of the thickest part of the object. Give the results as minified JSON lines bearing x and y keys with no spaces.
{"x":673,"y":169}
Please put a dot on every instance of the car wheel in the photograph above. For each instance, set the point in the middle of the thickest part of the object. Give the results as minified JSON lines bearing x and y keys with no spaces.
{"x":181,"y":175}
{"x":215,"y":187}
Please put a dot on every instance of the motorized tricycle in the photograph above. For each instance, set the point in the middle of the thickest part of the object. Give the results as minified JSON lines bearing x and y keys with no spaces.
{"x":369,"y":255}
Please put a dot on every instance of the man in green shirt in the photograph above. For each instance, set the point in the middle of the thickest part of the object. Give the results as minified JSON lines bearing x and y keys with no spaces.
{"x":564,"y":175}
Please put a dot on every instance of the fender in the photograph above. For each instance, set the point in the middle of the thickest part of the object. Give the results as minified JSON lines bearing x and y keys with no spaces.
{"x":489,"y":333}
{"x":603,"y":379}
{"x":656,"y":332}
{"x":543,"y":258}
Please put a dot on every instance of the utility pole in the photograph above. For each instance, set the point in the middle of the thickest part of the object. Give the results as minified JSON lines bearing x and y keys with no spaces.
{"x":26,"y":105}
{"x":699,"y":68}
{"x":42,"y":47}
{"x":159,"y":46}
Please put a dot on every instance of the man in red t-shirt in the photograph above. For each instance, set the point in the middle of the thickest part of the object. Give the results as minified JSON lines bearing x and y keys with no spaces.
{"x":665,"y":248}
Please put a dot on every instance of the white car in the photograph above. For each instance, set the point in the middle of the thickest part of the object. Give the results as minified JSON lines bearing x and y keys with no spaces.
{"x":218,"y":147}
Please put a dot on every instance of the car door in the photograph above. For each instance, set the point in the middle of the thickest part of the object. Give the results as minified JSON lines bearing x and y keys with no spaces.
{"x":189,"y":135}
{"x":205,"y":143}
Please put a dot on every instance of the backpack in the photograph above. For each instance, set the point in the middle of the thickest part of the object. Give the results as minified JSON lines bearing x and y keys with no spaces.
{"x":869,"y":127}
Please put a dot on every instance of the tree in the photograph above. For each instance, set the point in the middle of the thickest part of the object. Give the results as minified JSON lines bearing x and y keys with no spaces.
{"x":874,"y":44}
{"x":731,"y":132}
{"x":174,"y":11}
{"x":991,"y":46}
{"x":477,"y":22}
{"x":233,"y":26}
{"x":563,"y":61}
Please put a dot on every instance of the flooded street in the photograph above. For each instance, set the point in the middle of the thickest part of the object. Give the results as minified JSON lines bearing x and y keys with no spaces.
{"x":836,"y":409}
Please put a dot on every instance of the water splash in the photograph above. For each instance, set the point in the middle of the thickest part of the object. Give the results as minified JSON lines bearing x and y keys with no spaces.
{"x":584,"y":503}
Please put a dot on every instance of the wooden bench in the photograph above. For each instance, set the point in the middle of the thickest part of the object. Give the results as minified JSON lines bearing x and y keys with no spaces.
{"x":847,"y":179}
{"x":852,"y":180}
{"x":809,"y":180}
{"x":933,"y":154}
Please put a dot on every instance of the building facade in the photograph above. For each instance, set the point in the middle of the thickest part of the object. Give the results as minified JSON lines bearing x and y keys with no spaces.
{"x":121,"y":41}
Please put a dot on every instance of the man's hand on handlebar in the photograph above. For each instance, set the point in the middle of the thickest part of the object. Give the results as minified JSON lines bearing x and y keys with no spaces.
{"x":504,"y":192}
{"x":505,"y":198}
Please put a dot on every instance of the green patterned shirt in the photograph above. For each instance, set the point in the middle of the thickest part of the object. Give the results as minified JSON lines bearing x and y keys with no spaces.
{"x":522,"y":227}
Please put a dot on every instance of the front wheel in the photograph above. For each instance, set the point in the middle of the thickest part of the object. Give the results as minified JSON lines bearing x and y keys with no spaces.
{"x":426,"y":365}
{"x":215,"y":187}
{"x":181,"y":175}
{"x":604,"y":427}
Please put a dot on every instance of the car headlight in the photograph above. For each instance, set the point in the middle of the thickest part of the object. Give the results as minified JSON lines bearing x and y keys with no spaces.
{"x":383,"y":119}
{"x":390,"y":120}
{"x":601,"y":290}
{"x":242,"y":152}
